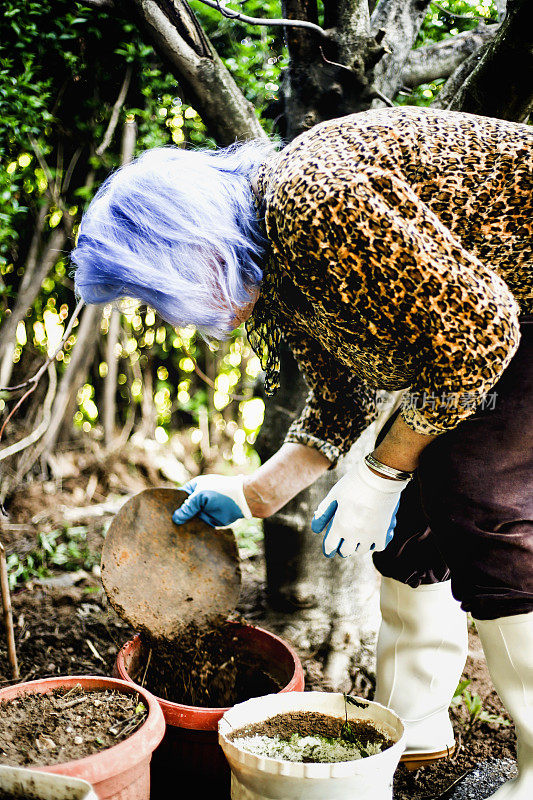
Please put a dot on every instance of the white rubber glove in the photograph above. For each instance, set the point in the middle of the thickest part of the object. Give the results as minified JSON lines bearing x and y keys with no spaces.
{"x":355,"y":516}
{"x":217,"y":499}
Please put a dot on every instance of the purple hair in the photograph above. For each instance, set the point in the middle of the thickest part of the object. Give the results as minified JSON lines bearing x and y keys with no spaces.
{"x":178,"y":230}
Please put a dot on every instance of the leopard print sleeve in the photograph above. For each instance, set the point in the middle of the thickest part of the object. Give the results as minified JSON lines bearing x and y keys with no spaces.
{"x":403,"y":294}
{"x":339,"y":406}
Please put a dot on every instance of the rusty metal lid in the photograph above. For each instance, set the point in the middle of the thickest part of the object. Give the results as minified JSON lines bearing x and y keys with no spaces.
{"x":161,"y":577}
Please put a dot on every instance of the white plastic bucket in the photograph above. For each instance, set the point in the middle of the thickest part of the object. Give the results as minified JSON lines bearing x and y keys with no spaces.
{"x":257,"y":778}
{"x":25,"y":783}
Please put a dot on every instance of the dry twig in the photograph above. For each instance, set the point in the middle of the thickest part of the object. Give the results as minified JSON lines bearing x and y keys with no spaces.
{"x":8,"y":615}
{"x":33,"y":381}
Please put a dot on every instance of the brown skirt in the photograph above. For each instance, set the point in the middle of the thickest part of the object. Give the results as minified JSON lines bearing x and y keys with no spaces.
{"x":468,"y":513}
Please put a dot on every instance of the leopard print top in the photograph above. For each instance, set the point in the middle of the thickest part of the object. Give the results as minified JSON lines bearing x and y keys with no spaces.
{"x":400,"y":255}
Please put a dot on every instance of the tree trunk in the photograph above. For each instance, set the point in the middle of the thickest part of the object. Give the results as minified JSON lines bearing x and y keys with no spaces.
{"x":500,"y":84}
{"x":181,"y":42}
{"x":36,"y":271}
{"x":328,"y":79}
{"x":110,"y":387}
{"x":129,"y":136}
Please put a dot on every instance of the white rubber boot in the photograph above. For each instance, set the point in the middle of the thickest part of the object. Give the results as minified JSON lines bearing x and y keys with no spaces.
{"x":508,"y":647}
{"x":421,"y":653}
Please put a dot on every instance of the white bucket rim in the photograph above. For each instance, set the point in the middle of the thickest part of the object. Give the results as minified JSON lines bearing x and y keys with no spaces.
{"x":302,"y":769}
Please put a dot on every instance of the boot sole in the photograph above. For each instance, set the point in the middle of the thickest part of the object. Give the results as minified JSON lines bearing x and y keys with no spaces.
{"x":414,"y":761}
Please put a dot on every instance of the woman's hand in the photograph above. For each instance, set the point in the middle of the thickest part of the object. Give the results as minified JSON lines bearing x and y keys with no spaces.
{"x":355,"y":516}
{"x":217,"y":499}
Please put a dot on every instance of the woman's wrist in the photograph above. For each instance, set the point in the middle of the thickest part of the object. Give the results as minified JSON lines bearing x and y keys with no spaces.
{"x":402,"y":447}
{"x":385,"y":471}
{"x":293,"y":468}
{"x":257,"y":503}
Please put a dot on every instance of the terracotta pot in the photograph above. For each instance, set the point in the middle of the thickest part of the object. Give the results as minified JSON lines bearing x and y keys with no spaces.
{"x":190,"y":747}
{"x":121,"y":772}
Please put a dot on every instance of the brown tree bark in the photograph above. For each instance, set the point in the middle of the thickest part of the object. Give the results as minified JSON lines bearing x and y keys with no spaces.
{"x":179,"y":39}
{"x":501,"y":82}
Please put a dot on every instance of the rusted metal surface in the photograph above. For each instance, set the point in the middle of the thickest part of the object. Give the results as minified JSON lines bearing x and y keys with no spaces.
{"x":159,"y":576}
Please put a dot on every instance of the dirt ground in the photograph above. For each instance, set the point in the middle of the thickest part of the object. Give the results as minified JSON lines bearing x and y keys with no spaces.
{"x":64,"y":625}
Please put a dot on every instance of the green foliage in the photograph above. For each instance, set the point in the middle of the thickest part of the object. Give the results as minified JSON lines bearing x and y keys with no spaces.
{"x":62,"y":65}
{"x":473,"y":705}
{"x":464,"y":16}
{"x":64,"y":549}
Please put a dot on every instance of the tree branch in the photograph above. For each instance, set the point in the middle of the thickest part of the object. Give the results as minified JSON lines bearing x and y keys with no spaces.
{"x":102,"y":4}
{"x":115,"y":113}
{"x":286,"y":23}
{"x":459,"y":16}
{"x":36,"y":434}
{"x":8,"y":615}
{"x":180,"y":41}
{"x":440,"y":59}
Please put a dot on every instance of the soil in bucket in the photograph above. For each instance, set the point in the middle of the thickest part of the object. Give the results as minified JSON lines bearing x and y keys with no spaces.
{"x":207,"y":668}
{"x":65,"y":725}
{"x":312,"y":737}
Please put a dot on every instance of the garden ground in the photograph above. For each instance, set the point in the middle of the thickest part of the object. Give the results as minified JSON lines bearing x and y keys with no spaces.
{"x":64,"y":624}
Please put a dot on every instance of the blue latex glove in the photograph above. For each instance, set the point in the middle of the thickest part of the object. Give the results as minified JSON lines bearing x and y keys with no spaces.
{"x":216,"y":499}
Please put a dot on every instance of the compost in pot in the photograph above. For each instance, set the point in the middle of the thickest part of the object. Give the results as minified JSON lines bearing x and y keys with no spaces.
{"x":65,"y":725}
{"x":312,"y":737}
{"x":206,"y":668}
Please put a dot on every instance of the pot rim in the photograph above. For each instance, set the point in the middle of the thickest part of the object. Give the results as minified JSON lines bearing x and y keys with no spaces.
{"x":99,"y":766}
{"x":213,"y":711}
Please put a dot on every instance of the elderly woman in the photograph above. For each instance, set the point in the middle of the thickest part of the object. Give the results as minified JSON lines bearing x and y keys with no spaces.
{"x":390,"y":249}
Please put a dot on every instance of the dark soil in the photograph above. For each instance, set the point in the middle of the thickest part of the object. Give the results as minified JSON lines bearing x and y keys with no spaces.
{"x":311,"y":723}
{"x":207,"y":669}
{"x":64,"y":725}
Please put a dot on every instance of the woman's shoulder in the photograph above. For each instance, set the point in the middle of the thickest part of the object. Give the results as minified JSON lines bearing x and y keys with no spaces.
{"x":400,"y":141}
{"x":390,"y":138}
